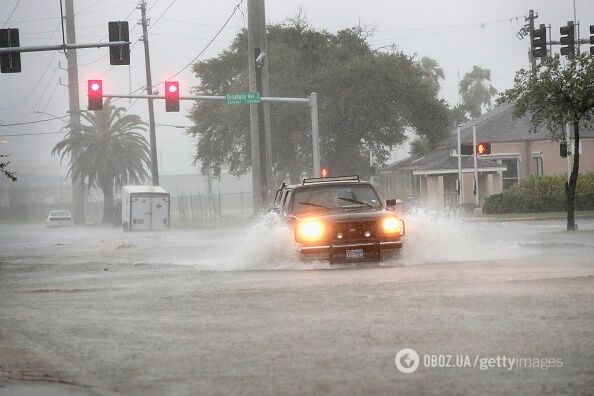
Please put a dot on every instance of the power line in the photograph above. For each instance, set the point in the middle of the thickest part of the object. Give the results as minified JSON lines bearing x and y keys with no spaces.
{"x":209,"y":43}
{"x":34,"y":86}
{"x":11,"y":13}
{"x":163,"y":13}
{"x":33,"y":122}
{"x":476,"y":24}
{"x":42,"y":94}
{"x":212,"y":40}
{"x":80,"y":13}
{"x":196,"y":23}
{"x":32,"y":134}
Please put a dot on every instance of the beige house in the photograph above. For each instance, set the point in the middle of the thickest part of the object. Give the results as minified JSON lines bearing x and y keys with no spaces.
{"x":515,"y":153}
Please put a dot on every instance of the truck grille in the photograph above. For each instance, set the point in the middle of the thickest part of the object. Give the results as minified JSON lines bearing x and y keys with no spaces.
{"x":353,"y":230}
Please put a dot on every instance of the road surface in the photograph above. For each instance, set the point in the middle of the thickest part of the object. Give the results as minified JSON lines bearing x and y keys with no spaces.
{"x":96,"y":311}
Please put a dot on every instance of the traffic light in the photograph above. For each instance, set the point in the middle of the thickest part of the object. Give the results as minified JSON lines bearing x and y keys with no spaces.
{"x":483,"y":148}
{"x":568,"y":39}
{"x":324,"y":172}
{"x":118,"y":31}
{"x":466,"y":149}
{"x":563,"y":149}
{"x":11,"y":62}
{"x":539,"y":42}
{"x":171,"y":96}
{"x":592,"y":39}
{"x":95,"y":93}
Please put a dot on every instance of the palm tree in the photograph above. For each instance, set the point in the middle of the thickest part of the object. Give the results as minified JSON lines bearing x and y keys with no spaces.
{"x":111,"y":151}
{"x":432,"y":72}
{"x":476,"y":91}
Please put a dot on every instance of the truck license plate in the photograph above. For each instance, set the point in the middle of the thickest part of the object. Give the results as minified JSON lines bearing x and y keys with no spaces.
{"x":354,"y":254}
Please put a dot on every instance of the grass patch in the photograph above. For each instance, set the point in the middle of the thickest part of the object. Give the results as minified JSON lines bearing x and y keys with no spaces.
{"x":539,"y":215}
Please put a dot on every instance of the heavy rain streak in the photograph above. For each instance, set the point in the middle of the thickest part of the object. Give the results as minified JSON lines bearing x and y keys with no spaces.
{"x":264,"y":197}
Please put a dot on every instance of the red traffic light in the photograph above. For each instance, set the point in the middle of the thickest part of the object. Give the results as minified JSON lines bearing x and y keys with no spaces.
{"x":483,"y":148}
{"x":171,"y":96}
{"x":95,"y":93}
{"x":324,"y":172}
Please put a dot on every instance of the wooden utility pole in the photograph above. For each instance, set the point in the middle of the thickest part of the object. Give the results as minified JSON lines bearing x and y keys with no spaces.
{"x":261,"y":147}
{"x":149,"y":91}
{"x":78,"y":187}
{"x":530,"y":19}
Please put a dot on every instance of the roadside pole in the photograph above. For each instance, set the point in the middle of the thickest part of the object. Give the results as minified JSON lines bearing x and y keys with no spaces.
{"x":460,"y":182}
{"x":569,"y":150}
{"x":149,"y":91}
{"x":78,"y":187}
{"x":315,"y":133}
{"x":260,"y":134}
{"x":476,"y":178}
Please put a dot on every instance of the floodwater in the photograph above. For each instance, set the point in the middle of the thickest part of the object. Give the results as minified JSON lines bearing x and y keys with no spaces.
{"x":269,"y":245}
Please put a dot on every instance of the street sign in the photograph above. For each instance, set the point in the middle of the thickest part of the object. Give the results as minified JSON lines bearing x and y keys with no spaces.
{"x":242,"y":98}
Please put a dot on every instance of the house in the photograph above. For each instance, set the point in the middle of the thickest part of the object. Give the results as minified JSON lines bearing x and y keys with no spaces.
{"x":515,"y":153}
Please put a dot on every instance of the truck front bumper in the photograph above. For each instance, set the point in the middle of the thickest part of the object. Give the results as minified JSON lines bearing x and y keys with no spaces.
{"x":350,"y":251}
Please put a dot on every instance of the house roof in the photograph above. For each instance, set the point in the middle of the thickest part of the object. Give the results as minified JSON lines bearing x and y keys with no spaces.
{"x":440,"y":161}
{"x":495,"y":126}
{"x":500,"y":126}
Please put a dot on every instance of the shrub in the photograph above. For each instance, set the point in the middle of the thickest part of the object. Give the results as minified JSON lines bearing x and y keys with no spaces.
{"x":541,"y":194}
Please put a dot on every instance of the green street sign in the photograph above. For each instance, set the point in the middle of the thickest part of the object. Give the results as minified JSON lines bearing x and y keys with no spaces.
{"x":242,"y":98}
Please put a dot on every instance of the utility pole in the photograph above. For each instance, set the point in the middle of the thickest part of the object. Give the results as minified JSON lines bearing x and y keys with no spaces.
{"x":460,"y":180}
{"x":476,"y":174}
{"x":261,"y":146}
{"x":530,"y":19}
{"x":149,"y":91}
{"x":78,"y":187}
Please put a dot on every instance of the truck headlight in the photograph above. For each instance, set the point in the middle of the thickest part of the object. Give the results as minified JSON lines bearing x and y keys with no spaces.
{"x":310,"y":230}
{"x":393,"y":225}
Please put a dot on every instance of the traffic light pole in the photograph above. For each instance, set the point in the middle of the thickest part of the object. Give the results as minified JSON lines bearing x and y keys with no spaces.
{"x":312,"y":101}
{"x":149,"y":91}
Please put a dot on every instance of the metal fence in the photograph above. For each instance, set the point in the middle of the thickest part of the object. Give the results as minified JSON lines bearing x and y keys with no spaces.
{"x":192,"y":209}
{"x":211,"y":208}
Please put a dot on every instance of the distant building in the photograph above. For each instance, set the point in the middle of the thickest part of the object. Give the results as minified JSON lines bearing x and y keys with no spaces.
{"x":515,"y":153}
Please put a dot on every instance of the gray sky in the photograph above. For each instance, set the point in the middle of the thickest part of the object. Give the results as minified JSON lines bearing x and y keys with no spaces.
{"x":457,"y":33}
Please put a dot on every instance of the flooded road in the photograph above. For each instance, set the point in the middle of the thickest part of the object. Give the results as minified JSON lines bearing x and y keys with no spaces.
{"x":232,"y":311}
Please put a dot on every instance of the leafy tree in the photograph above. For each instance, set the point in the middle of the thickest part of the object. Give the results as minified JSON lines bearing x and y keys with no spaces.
{"x":4,"y":169}
{"x":476,"y":91}
{"x":556,"y":94}
{"x":366,"y":100}
{"x":111,"y":151}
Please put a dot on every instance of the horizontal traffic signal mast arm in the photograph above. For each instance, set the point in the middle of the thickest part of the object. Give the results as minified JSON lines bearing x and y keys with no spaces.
{"x":38,"y":48}
{"x":206,"y":97}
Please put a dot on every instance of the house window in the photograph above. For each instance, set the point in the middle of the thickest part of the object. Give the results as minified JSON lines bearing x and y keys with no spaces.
{"x":537,"y":164}
{"x":510,"y":176}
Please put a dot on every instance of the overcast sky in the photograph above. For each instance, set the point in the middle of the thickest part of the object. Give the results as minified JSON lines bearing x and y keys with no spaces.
{"x":457,"y":33}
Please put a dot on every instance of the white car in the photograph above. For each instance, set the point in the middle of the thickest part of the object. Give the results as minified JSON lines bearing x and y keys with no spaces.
{"x":59,"y":218}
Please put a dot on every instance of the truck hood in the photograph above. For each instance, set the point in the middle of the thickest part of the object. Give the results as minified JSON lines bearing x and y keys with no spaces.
{"x":371,"y":214}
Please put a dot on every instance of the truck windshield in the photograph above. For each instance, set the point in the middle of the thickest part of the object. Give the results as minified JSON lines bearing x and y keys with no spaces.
{"x":335,"y":198}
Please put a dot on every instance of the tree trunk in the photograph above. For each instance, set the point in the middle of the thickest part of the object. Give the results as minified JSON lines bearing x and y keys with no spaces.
{"x":571,"y":186}
{"x":108,"y":203}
